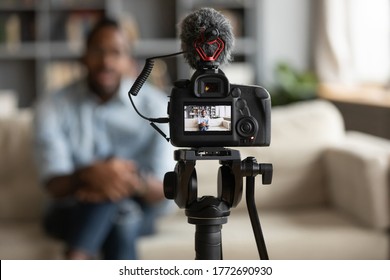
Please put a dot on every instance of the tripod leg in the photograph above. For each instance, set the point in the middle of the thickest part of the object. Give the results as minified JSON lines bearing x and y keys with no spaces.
{"x":250,"y":200}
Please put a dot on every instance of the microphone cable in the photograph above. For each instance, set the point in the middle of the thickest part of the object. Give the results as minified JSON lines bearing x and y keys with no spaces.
{"x":143,"y":76}
{"x":139,"y":82}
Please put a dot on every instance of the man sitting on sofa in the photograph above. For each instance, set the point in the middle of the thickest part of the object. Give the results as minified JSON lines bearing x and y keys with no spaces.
{"x":102,"y":167}
{"x":203,"y":121}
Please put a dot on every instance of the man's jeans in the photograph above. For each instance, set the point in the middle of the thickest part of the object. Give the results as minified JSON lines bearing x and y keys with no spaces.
{"x":108,"y":228}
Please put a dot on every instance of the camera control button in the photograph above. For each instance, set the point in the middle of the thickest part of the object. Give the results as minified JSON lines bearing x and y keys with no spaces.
{"x":236,"y":92}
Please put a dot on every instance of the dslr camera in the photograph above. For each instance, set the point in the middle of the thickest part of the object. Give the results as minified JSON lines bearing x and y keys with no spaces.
{"x":208,"y":111}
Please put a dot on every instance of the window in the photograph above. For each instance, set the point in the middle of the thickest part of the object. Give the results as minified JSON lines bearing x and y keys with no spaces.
{"x":353,"y":41}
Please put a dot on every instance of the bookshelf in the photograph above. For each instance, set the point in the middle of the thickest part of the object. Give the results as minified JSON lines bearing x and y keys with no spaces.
{"x":41,"y":40}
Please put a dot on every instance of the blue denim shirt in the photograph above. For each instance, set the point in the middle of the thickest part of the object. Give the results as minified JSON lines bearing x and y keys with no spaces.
{"x":73,"y":129}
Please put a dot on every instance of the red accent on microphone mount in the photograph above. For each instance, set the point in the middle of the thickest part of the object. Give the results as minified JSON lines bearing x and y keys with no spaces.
{"x":199,"y":49}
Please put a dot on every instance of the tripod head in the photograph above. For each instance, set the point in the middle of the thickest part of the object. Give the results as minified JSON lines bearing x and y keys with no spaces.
{"x":208,"y":213}
{"x":181,"y":184}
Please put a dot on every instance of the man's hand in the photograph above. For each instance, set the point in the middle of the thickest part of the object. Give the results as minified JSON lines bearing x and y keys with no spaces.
{"x":109,"y":180}
{"x":112,"y":179}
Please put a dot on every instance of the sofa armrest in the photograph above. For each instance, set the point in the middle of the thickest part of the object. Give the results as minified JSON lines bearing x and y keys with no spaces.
{"x":226,"y":124}
{"x":358,"y":177}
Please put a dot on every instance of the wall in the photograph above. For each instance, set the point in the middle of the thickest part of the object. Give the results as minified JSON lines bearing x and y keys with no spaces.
{"x":286,"y":33}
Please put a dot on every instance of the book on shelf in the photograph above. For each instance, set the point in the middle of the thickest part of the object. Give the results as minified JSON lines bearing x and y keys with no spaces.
{"x":73,"y":26}
{"x":78,"y":24}
{"x":12,"y":28}
{"x":16,"y":28}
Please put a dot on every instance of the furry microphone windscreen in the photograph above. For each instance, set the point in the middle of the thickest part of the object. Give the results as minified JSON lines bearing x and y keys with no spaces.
{"x":195,"y":24}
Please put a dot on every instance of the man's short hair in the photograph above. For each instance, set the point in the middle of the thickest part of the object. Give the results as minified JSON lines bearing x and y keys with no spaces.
{"x":102,"y":23}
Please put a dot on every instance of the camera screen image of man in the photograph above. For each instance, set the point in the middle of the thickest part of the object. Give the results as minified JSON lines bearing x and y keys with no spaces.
{"x":203,"y":121}
{"x":102,"y":168}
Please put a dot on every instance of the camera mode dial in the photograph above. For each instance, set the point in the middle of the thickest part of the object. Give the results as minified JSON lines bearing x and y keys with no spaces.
{"x":247,"y":127}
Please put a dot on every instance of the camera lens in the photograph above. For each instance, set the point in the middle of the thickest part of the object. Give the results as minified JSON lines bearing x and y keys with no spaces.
{"x":247,"y":127}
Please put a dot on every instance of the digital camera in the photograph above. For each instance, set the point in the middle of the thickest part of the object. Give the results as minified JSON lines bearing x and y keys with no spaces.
{"x":208,"y":111}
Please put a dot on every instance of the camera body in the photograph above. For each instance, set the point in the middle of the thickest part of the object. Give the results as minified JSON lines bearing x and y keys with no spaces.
{"x":208,"y":111}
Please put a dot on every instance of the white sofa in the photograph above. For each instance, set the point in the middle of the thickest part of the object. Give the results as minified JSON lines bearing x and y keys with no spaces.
{"x":329,"y":198}
{"x":216,"y":124}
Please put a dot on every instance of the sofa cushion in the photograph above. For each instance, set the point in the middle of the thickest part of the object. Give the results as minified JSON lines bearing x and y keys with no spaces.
{"x":21,"y":197}
{"x":27,"y":241}
{"x":300,"y":134}
{"x":359,"y":178}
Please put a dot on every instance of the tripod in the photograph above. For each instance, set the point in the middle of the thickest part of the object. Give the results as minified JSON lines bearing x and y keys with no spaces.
{"x":209,"y":213}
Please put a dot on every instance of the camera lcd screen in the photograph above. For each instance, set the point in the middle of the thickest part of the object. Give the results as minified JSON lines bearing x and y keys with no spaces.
{"x":207,"y":118}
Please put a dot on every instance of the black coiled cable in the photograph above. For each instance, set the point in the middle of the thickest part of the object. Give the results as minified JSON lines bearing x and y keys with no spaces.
{"x":140,"y":81}
{"x":143,"y":76}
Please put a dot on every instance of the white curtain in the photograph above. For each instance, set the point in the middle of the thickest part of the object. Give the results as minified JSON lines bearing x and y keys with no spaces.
{"x":353,"y":41}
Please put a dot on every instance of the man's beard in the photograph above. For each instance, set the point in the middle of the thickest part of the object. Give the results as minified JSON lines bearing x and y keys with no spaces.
{"x":104,"y":92}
